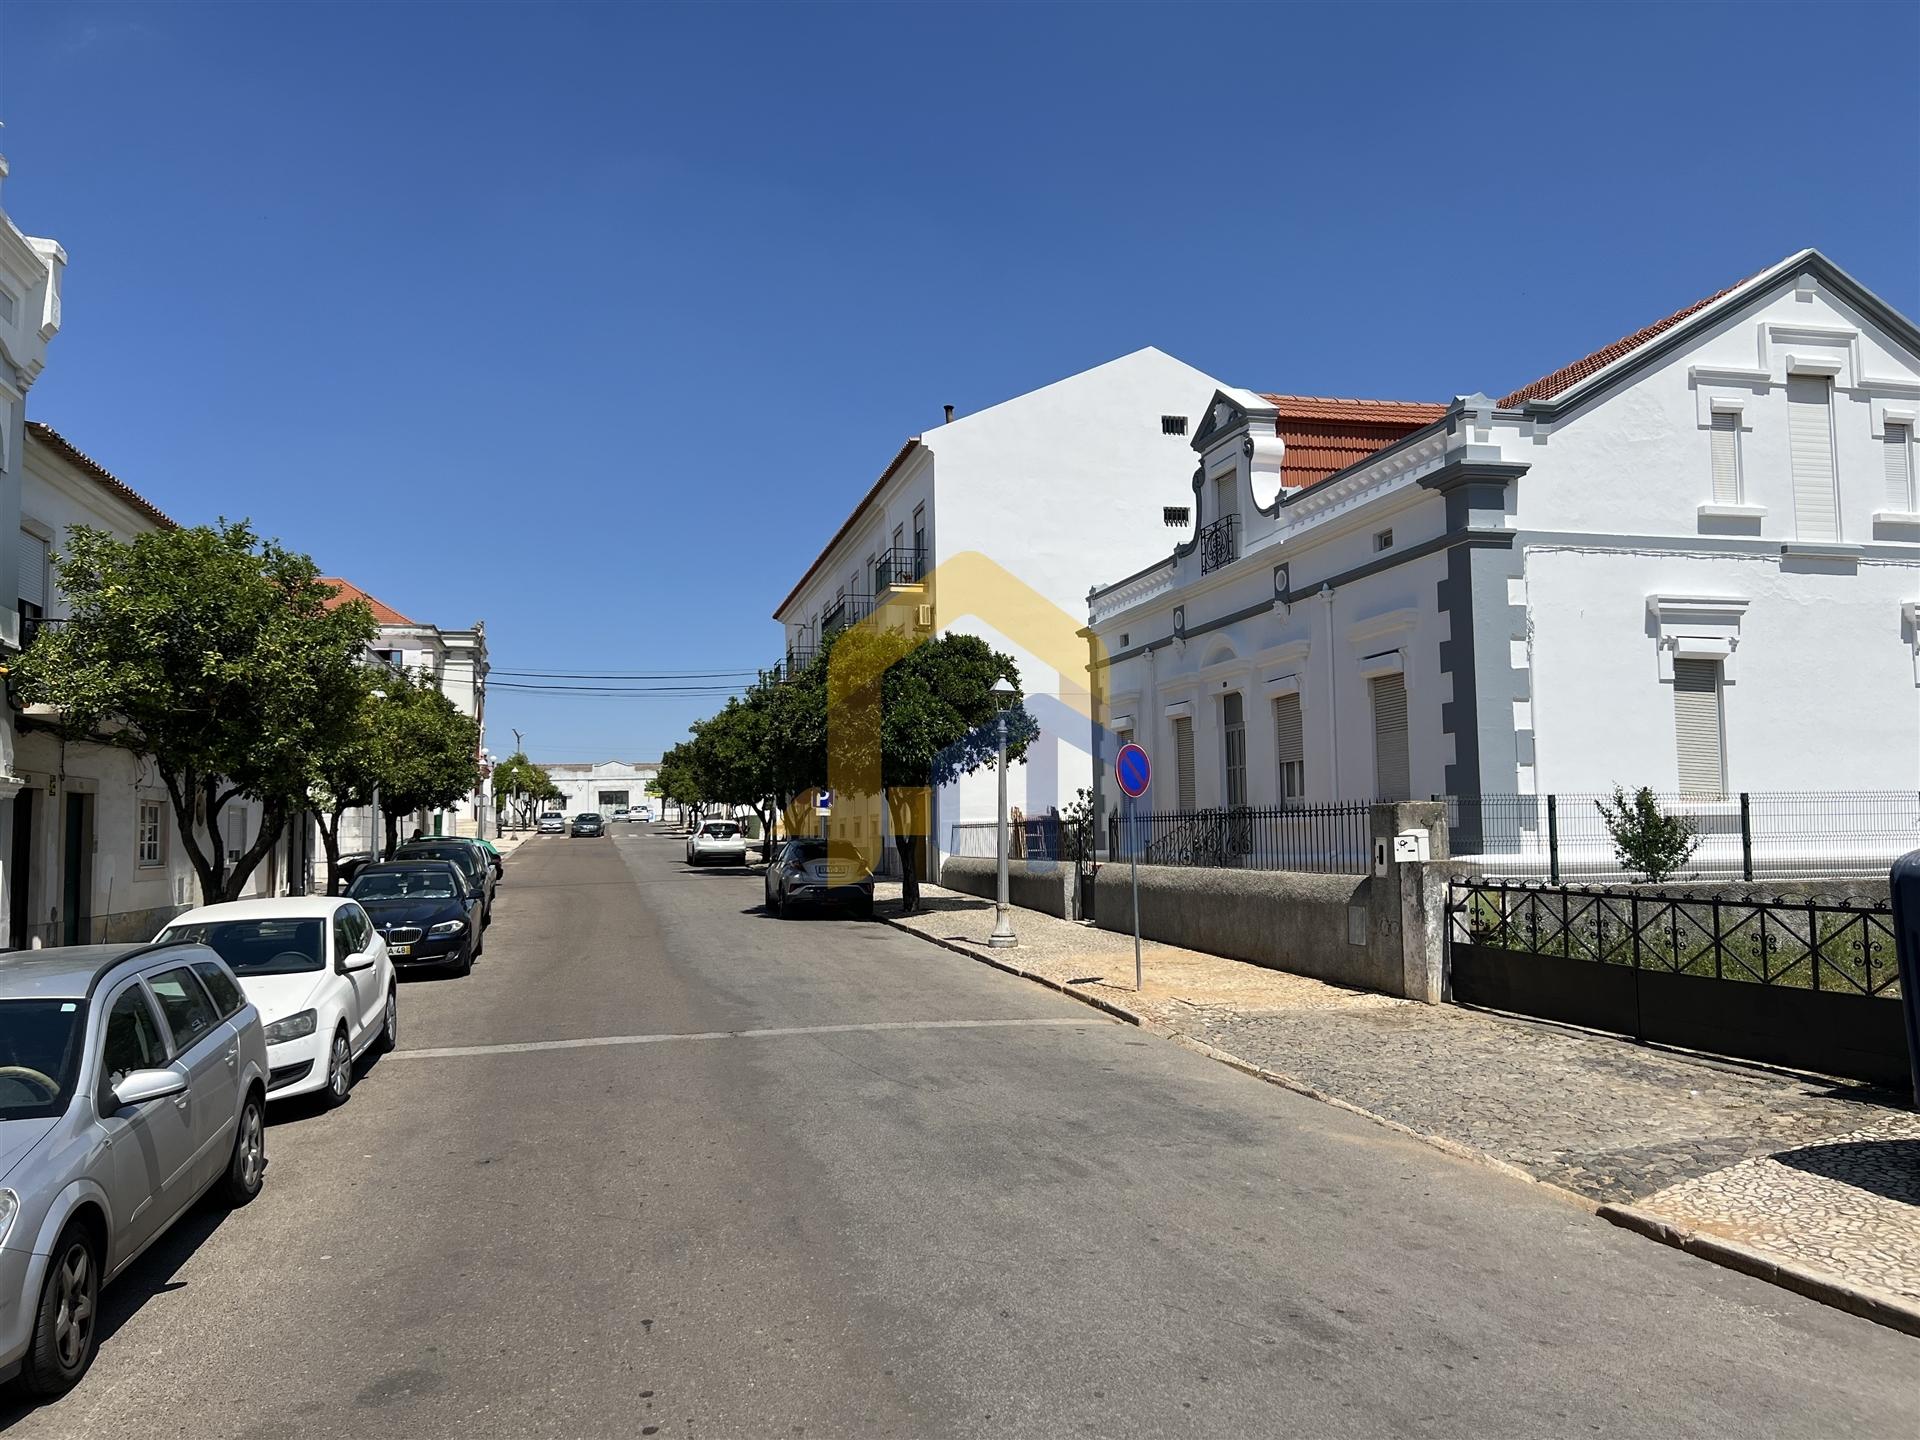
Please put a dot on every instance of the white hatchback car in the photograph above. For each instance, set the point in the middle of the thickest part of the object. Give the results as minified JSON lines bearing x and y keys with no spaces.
{"x":719,"y":842}
{"x":317,"y":971}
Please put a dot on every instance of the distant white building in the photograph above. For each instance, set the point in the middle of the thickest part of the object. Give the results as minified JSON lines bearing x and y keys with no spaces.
{"x":1689,"y":561}
{"x":602,"y":786}
{"x":1055,"y":489}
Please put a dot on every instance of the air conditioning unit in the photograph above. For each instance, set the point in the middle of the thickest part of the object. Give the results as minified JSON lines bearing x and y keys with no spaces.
{"x":923,"y":616}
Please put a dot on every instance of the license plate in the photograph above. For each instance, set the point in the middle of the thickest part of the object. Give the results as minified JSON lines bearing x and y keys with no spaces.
{"x":400,"y":949}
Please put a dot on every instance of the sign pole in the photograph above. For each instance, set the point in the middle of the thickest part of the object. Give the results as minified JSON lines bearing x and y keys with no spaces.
{"x":1133,"y":865}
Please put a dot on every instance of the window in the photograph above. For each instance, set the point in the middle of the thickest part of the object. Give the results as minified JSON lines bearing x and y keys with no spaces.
{"x":1899,"y":446}
{"x":1292,"y":751}
{"x":361,"y":926}
{"x":1382,"y":540}
{"x":133,"y":1038}
{"x":148,"y":830}
{"x":1726,"y":457}
{"x":185,"y":1004}
{"x":1810,"y":442}
{"x":343,"y":945}
{"x":32,"y":558}
{"x":227,"y":996}
{"x":1223,"y":494}
{"x":236,"y":828}
{"x":1697,"y":726}
{"x":1183,"y":763}
{"x":1233,"y":735}
{"x":1173,"y":424}
{"x":1391,"y":779}
{"x":920,"y":529}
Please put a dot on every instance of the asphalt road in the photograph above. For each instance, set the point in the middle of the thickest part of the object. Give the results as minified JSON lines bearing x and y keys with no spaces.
{"x":877,"y":1217}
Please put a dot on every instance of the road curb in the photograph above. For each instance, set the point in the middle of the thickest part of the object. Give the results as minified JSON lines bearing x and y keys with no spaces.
{"x":1869,"y":1304}
{"x":1864,"y":1301}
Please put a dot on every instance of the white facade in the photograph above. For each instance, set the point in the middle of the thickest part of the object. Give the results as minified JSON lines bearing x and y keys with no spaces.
{"x":1059,"y":488}
{"x":1691,"y":563}
{"x":602,"y":786}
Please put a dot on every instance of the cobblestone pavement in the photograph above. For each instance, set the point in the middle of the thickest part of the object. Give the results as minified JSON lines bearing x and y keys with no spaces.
{"x":1823,"y":1172}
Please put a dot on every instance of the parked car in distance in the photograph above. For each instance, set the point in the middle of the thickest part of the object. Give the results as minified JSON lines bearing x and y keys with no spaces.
{"x":462,"y":853}
{"x":802,"y":874}
{"x":644,"y":815}
{"x":719,"y":841}
{"x":588,"y":823}
{"x":135,"y":1082}
{"x":621,"y":812}
{"x":426,"y":911}
{"x":551,"y":823}
{"x":499,"y":861}
{"x":319,"y":974}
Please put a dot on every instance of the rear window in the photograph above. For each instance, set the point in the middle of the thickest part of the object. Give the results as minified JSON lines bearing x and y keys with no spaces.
{"x":725,"y":832}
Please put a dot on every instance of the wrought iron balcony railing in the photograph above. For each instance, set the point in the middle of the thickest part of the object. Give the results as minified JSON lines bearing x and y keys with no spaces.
{"x":901,"y":565}
{"x":1219,"y":543}
{"x":849,"y":611}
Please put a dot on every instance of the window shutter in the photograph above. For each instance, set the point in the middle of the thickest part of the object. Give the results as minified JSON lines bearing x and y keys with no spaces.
{"x":1390,"y":769}
{"x":1810,"y":441}
{"x":1233,"y":732}
{"x":1292,"y":746}
{"x":33,"y":569}
{"x":1183,"y":762}
{"x":1696,"y":716}
{"x":1899,"y":466}
{"x":1726,"y":458}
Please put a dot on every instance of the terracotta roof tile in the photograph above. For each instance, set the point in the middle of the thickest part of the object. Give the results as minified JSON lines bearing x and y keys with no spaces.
{"x":1325,"y":434}
{"x":345,"y":592}
{"x":1565,"y":378}
{"x":99,"y":473}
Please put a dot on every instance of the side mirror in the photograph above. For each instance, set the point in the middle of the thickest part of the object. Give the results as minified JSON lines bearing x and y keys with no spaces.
{"x":359,"y":960}
{"x":137,"y":1087}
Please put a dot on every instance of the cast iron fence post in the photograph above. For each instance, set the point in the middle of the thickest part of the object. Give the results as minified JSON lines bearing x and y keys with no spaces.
{"x":1746,"y":837}
{"x":1553,"y":839}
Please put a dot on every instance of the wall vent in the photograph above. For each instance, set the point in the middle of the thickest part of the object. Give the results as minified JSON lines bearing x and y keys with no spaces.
{"x":1173,"y":424}
{"x":1176,"y":515}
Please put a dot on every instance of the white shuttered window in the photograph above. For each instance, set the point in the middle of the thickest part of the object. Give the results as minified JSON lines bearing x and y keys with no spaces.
{"x":1726,"y":458}
{"x":1233,"y":736}
{"x":1391,"y":779}
{"x":1183,"y":762}
{"x":33,"y":569}
{"x":1292,"y":753}
{"x":1899,"y":446}
{"x":1810,"y":440}
{"x":1697,"y":727}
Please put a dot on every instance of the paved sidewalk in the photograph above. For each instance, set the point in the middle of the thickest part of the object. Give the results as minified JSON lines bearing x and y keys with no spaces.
{"x":1822,"y":1174}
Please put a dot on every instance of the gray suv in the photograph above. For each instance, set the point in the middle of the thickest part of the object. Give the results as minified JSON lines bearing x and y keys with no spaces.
{"x":133,"y":1080}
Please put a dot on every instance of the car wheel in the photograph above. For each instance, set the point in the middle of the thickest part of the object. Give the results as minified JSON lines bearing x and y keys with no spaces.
{"x":864,"y":909}
{"x":464,"y":965}
{"x":339,"y":1069}
{"x":247,"y":1169}
{"x":63,"y":1326}
{"x":390,"y":1030}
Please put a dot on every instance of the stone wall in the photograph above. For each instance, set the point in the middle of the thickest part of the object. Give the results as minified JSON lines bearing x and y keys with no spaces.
{"x":1044,"y":885}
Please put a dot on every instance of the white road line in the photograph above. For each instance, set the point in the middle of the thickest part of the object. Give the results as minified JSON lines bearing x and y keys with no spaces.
{"x":449,"y":1052}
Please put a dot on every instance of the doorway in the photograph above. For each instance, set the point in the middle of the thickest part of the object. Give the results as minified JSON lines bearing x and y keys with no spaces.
{"x":76,"y":880}
{"x":20,"y":876}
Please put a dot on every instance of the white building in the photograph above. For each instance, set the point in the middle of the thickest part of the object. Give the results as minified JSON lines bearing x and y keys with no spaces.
{"x":602,"y":786}
{"x":457,"y":662}
{"x":1056,"y":489}
{"x":1690,"y":561}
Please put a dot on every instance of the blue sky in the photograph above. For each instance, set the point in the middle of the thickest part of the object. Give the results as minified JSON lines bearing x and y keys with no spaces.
{"x":594,"y":321}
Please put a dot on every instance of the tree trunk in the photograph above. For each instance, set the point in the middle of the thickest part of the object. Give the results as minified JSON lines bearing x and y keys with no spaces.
{"x":909,"y":848}
{"x":330,"y":837}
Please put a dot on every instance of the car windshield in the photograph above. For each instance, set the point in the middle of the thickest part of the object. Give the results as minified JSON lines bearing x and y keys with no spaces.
{"x":804,"y":850}
{"x":594,"y":818}
{"x":39,"y":1056}
{"x":422,"y":884}
{"x":453,"y":854}
{"x":282,"y":946}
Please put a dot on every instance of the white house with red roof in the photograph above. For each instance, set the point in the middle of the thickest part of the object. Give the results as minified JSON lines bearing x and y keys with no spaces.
{"x":1689,"y":561}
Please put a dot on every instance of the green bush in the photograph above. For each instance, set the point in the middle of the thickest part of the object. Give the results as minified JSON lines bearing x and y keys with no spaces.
{"x":1646,"y":839}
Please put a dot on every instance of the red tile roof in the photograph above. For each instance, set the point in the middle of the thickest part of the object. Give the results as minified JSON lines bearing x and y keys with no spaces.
{"x":345,"y":592}
{"x":99,"y":473}
{"x":1565,"y":378}
{"x":1326,"y":434}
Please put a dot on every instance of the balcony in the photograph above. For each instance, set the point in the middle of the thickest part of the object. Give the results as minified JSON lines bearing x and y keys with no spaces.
{"x":796,"y":660}
{"x":901,"y":566}
{"x":1219,"y":543}
{"x":850,"y":610}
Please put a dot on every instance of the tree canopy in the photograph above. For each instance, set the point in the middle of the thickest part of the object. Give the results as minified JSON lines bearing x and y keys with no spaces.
{"x":216,"y":655}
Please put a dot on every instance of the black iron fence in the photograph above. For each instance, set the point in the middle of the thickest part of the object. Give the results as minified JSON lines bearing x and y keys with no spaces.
{"x":1219,"y":543}
{"x":1756,"y":835}
{"x":848,"y":610}
{"x":1808,"y":983}
{"x":900,"y":565}
{"x":1328,"y":839}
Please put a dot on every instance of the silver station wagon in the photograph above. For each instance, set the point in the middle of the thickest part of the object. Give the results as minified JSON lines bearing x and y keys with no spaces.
{"x":133,"y":1080}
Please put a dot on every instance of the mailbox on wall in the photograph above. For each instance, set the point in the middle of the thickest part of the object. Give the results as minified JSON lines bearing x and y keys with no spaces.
{"x":1905,"y":884}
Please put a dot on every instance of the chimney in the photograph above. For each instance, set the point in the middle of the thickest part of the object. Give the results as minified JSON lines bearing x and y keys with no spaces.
{"x":949,"y":410}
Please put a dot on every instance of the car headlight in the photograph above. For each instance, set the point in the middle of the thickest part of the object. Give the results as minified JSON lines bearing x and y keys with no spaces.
{"x":448,"y":927}
{"x":9,"y":1208}
{"x":293,"y":1027}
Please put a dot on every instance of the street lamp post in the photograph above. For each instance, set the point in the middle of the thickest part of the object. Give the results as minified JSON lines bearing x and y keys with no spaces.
{"x":1003,"y":936}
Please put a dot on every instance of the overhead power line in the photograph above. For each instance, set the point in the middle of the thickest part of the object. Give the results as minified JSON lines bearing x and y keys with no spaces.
{"x":625,"y":674}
